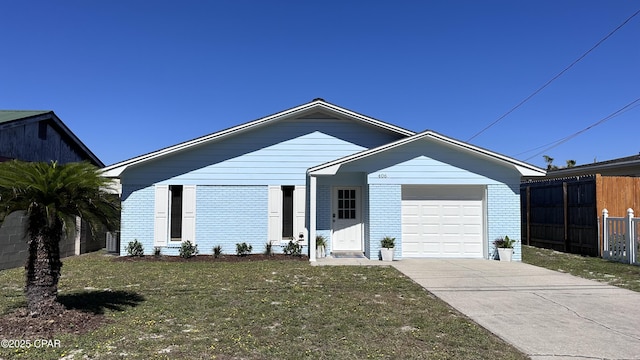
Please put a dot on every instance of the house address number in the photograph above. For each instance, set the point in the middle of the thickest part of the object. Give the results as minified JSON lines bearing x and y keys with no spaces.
{"x":382,"y":176}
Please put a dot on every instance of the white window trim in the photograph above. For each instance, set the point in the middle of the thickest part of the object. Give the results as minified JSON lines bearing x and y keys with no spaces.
{"x":162,"y":206}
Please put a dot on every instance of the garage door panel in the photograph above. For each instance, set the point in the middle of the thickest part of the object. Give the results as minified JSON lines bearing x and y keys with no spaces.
{"x":448,"y":227}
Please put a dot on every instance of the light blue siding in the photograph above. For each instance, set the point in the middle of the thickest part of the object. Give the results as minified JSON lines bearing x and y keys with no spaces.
{"x":429,"y":163}
{"x":503,"y":216}
{"x":272,"y":155}
{"x":385,"y":218}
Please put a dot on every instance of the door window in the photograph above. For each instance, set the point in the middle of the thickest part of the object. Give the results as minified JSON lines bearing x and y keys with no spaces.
{"x":347,"y":204}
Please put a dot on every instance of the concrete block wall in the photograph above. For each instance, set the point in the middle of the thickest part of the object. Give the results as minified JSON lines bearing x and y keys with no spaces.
{"x":503,"y":214}
{"x":385,"y":216}
{"x":13,"y":240}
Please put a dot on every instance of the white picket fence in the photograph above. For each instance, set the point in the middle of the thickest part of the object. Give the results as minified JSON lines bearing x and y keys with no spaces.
{"x":621,"y":238}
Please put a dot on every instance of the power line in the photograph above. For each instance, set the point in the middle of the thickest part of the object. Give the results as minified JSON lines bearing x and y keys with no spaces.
{"x":606,"y":118}
{"x":555,"y":77}
{"x":617,"y":113}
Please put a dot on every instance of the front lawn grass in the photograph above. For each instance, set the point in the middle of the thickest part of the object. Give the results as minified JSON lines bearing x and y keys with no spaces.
{"x":613,"y":273}
{"x":255,"y":310}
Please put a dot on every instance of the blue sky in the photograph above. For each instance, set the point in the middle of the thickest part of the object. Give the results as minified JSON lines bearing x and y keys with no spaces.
{"x":130,"y":77}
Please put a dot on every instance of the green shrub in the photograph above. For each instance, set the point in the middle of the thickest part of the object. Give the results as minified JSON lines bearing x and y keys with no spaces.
{"x":388,"y":242}
{"x":135,"y":248}
{"x":188,"y":249}
{"x":242,"y":249}
{"x":293,"y":248}
{"x":217,"y":251}
{"x":157,"y":251}
{"x":268,"y":249}
{"x":504,"y":243}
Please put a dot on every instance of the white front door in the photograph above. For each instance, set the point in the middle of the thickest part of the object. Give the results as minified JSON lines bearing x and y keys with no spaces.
{"x":346,"y":219}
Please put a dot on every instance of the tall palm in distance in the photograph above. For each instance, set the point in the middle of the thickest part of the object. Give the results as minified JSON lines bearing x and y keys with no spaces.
{"x":550,"y":166}
{"x":52,"y":195}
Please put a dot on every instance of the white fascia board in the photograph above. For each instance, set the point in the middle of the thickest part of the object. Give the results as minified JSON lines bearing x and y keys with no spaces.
{"x":529,"y":172}
{"x":366,"y":119}
{"x":331,"y":170}
{"x":331,"y":167}
{"x":116,"y":169}
{"x":523,"y":168}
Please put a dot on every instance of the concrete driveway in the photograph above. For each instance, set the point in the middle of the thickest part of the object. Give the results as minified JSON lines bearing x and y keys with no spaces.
{"x":545,"y":314}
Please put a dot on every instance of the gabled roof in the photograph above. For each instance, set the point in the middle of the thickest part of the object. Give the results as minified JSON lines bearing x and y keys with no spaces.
{"x":314,"y":106}
{"x":7,"y":117}
{"x":525,"y":169}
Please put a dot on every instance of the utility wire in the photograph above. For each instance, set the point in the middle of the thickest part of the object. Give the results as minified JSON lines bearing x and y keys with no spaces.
{"x":555,"y":77}
{"x":606,"y":118}
{"x":617,"y":113}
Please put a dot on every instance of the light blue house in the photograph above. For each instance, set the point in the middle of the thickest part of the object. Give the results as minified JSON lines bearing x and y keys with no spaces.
{"x":320,"y":169}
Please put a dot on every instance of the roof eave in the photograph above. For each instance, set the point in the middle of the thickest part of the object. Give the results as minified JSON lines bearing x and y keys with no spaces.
{"x":523,"y":168}
{"x":115,"y":170}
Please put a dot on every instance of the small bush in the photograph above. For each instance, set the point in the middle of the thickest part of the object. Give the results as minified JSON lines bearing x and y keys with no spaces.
{"x":293,"y":248}
{"x":135,"y":248}
{"x":268,"y":249}
{"x":217,"y":251}
{"x":242,"y":249}
{"x":388,"y":242}
{"x":188,"y":249}
{"x":157,"y":251}
{"x":504,"y":243}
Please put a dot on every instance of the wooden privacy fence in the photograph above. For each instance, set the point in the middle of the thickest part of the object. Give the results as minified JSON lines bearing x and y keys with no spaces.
{"x":620,"y":237}
{"x":561,"y":215}
{"x":564,"y":214}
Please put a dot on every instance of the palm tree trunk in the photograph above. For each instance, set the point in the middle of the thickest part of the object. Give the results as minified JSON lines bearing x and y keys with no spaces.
{"x":43,"y":272}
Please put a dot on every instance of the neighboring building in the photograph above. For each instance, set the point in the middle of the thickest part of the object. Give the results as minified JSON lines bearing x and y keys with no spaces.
{"x":40,"y":136}
{"x":625,"y":166}
{"x":320,"y":169}
{"x":563,"y":210}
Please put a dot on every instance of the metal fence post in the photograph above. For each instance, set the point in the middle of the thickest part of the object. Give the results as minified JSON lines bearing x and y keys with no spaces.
{"x":631,"y":248}
{"x":605,"y":234}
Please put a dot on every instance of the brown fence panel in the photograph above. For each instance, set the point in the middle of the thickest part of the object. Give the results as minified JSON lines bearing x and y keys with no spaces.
{"x":561,"y":214}
{"x":617,"y":194}
{"x":582,"y":217}
{"x":545,"y":215}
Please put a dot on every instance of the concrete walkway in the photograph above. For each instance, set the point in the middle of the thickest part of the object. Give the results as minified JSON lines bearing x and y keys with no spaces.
{"x":545,"y":314}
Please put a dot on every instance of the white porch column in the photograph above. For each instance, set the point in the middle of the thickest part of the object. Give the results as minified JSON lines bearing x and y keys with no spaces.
{"x":313,"y":184}
{"x":631,"y":246}
{"x":605,"y":234}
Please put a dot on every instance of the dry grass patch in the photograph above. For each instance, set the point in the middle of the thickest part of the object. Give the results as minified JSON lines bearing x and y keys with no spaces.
{"x":613,"y":273}
{"x":258,"y":310}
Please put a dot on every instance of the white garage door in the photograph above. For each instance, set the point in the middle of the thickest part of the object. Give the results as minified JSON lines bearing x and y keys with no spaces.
{"x":442,"y":221}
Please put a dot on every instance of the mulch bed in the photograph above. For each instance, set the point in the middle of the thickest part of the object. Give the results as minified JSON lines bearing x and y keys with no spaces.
{"x":20,"y":325}
{"x":211,"y":258}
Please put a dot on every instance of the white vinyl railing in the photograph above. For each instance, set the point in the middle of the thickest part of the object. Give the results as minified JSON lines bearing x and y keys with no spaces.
{"x":621,"y":238}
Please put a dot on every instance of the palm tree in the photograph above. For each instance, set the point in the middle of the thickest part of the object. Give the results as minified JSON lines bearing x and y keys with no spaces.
{"x":571,"y":163}
{"x":52,"y":195}
{"x":549,"y":161}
